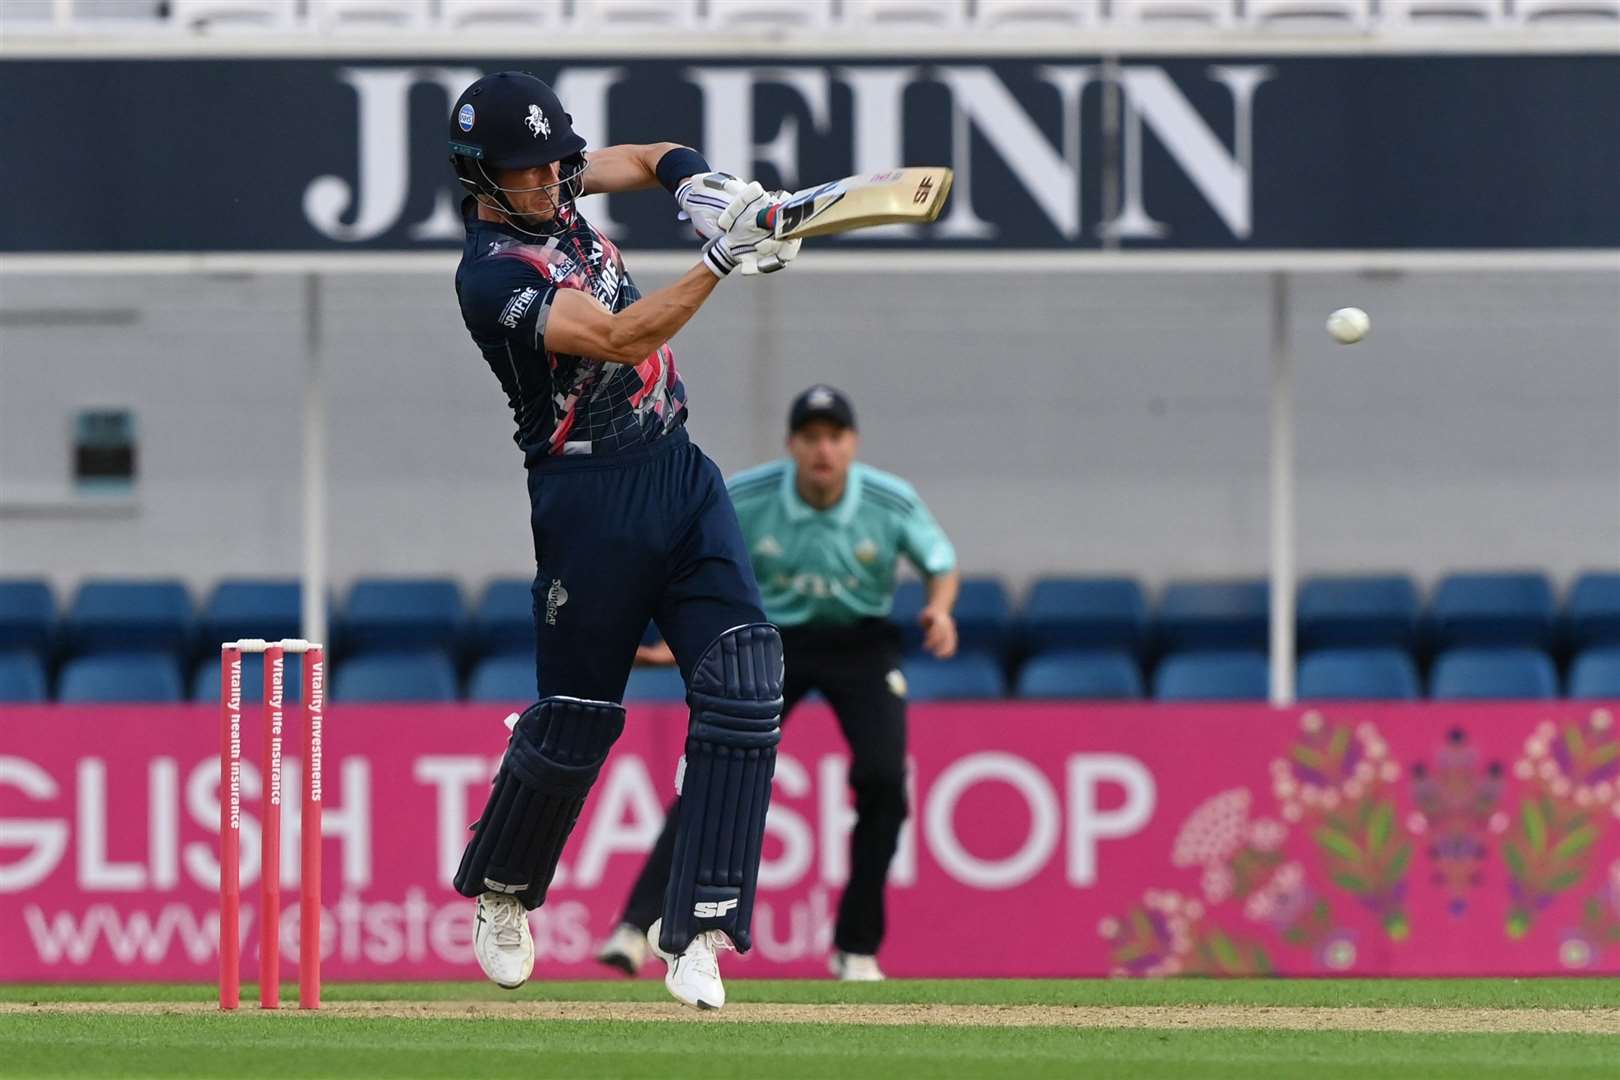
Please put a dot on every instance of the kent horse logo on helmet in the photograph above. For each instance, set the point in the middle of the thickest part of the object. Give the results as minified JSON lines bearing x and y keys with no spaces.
{"x":537,"y":123}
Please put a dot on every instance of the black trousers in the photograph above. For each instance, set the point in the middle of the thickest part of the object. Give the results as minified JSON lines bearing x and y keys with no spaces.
{"x":851,"y":666}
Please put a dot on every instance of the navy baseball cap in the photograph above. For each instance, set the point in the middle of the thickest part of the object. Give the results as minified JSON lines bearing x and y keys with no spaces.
{"x":821,"y":403}
{"x":512,"y":120}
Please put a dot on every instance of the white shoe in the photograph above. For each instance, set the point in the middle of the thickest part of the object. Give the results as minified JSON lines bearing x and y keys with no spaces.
{"x":626,"y":949}
{"x":501,"y":940}
{"x":694,"y":976}
{"x":855,"y":967}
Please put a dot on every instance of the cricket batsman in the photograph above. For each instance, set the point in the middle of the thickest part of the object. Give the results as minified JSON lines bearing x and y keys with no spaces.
{"x":826,"y":533}
{"x":631,"y":522}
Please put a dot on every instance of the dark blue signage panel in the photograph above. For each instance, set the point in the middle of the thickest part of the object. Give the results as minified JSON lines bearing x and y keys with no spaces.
{"x":1051,"y":152}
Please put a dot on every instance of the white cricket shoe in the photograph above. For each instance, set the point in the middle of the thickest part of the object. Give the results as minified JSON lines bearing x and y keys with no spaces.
{"x":501,"y":940}
{"x":694,"y":976}
{"x":855,"y":967}
{"x":626,"y":949}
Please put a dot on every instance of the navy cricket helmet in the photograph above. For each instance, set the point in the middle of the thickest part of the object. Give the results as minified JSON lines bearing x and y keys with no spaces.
{"x":513,"y":120}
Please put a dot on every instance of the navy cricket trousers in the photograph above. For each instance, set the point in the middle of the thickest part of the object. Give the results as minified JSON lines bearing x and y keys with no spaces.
{"x":644,"y":534}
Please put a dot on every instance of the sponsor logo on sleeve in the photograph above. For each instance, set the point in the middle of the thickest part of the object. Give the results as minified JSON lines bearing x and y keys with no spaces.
{"x":517,"y":307}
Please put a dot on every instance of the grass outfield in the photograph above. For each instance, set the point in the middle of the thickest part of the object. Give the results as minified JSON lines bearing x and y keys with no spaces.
{"x":1152,"y":1029}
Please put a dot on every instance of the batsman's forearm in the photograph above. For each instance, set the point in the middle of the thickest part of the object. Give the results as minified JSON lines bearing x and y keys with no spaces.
{"x":659,"y":316}
{"x":942,"y":589}
{"x":627,"y":167}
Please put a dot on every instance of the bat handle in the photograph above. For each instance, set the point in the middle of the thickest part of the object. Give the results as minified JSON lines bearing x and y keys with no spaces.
{"x":766,"y":218}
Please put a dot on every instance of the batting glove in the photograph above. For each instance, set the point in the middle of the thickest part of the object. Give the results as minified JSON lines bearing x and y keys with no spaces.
{"x":704,"y":197}
{"x":739,"y":238}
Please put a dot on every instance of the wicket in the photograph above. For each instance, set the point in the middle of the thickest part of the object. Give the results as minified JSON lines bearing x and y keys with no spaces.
{"x":230,"y":823}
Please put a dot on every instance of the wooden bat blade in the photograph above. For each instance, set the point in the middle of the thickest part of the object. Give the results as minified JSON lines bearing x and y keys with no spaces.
{"x":901,"y":196}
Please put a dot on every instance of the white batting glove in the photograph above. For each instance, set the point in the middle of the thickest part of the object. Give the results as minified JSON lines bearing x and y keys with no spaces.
{"x":772,"y":255}
{"x":740,"y":238}
{"x":704,"y":197}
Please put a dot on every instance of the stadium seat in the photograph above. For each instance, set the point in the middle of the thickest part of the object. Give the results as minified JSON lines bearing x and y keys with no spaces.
{"x":249,"y":608}
{"x":1507,"y":673}
{"x":129,"y":616}
{"x":27,"y":612}
{"x":982,"y":615}
{"x":1437,"y":13}
{"x":1212,"y":676}
{"x":1107,"y":674}
{"x":212,"y":15}
{"x":205,"y":678}
{"x":1223,"y":615}
{"x":509,"y":677}
{"x":1477,"y":610}
{"x":1302,"y":14}
{"x":1152,"y":14}
{"x":655,"y":683}
{"x":401,"y":613}
{"x":1358,"y":675}
{"x":425,"y":675}
{"x":1035,"y":15}
{"x":1556,"y":12}
{"x":1358,"y":612}
{"x":623,"y":16}
{"x":1592,"y":614}
{"x":782,"y":15}
{"x":1596,"y":674}
{"x":347,"y":16}
{"x":905,"y":14}
{"x":966,"y":676}
{"x":1083,"y":613}
{"x":498,"y":14}
{"x":504,"y":619}
{"x":133,"y":677}
{"x":22,"y":677}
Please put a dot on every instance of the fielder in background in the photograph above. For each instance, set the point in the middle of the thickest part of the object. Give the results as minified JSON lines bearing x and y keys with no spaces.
{"x":631,"y":521}
{"x":825,"y":533}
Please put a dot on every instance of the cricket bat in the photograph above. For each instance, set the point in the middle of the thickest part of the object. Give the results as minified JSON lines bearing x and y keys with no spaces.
{"x":900,"y":196}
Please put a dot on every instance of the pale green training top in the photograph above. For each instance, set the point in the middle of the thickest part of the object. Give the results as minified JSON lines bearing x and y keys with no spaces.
{"x":835,"y":565}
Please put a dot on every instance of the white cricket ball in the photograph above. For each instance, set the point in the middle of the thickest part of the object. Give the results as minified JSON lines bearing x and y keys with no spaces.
{"x":1348,"y":325}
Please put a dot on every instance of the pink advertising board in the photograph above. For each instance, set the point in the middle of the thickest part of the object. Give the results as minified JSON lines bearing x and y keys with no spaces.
{"x":1045,"y":840}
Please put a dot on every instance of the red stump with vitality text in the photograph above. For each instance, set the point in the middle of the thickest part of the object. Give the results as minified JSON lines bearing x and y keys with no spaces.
{"x":273,"y":656}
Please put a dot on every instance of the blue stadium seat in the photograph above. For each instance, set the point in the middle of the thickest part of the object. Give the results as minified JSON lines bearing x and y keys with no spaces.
{"x":655,"y":683}
{"x":22,"y":677}
{"x":1358,"y":675}
{"x":1596,"y":674}
{"x":129,"y":616}
{"x":507,"y":677}
{"x":504,"y":619}
{"x":1212,"y":676}
{"x":1593,"y":611}
{"x":206,"y":675}
{"x":1105,"y":674}
{"x":1213,"y":615}
{"x":982,"y":613}
{"x":27,"y":612}
{"x":1358,"y":612}
{"x":1506,"y":673}
{"x":1492,"y":610}
{"x":239,"y":608}
{"x":120,"y":677}
{"x":1084,"y":613}
{"x":425,"y":675}
{"x":401,"y":613}
{"x":966,"y":676}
